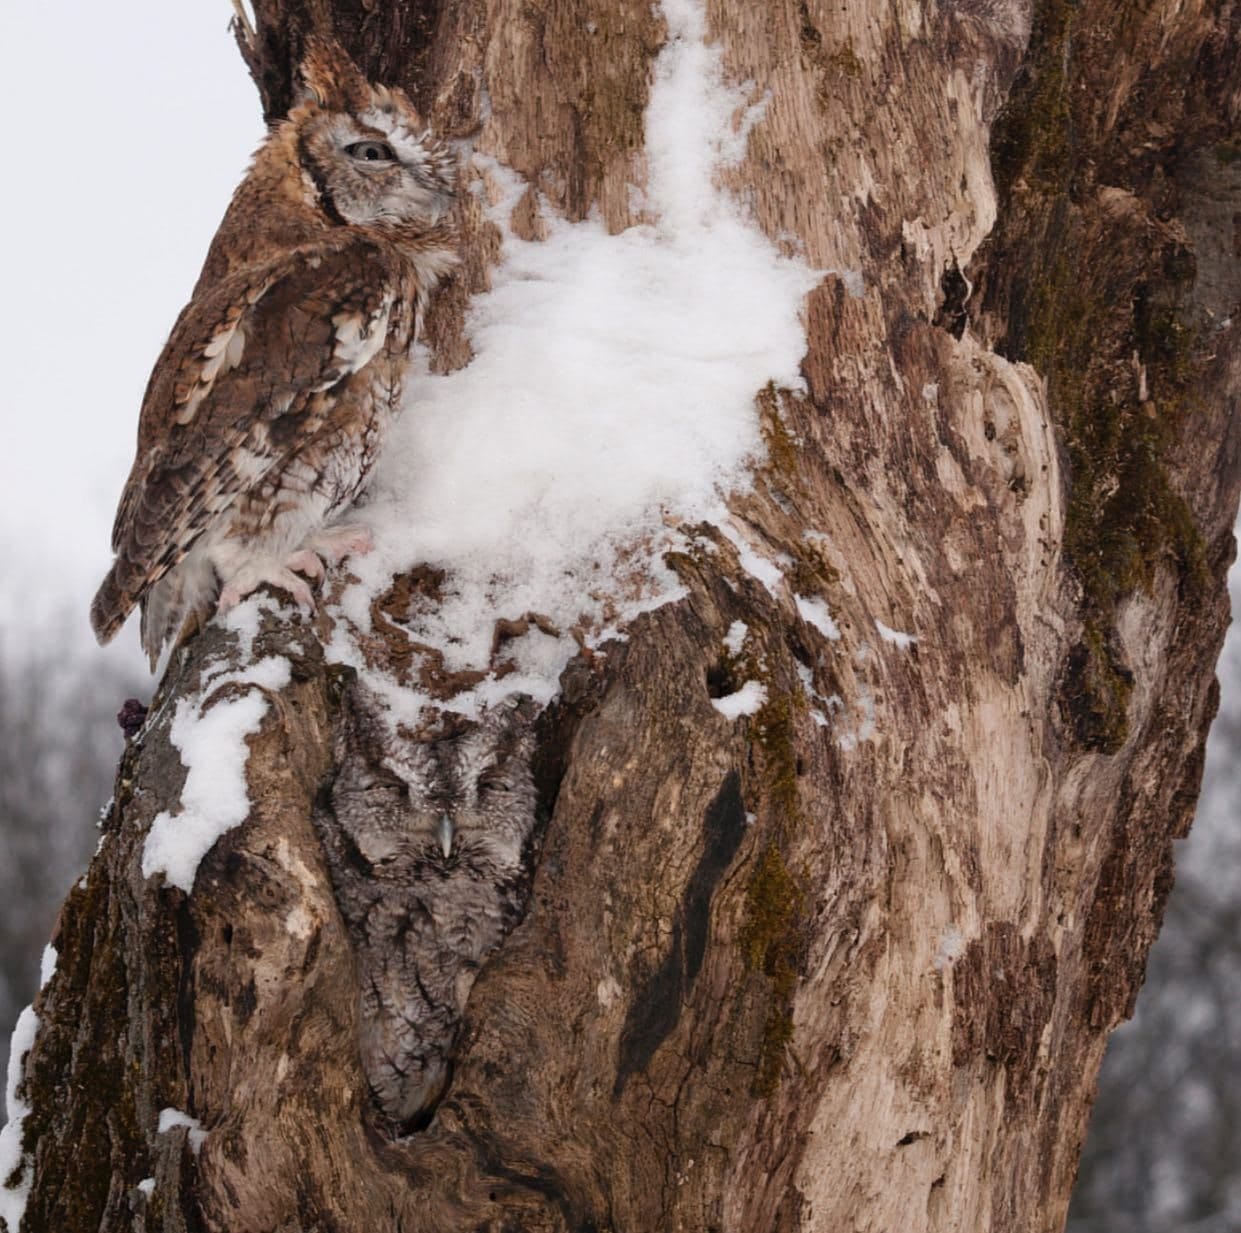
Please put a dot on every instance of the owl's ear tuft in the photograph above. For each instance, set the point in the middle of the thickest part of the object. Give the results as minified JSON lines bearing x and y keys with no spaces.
{"x":328,"y":77}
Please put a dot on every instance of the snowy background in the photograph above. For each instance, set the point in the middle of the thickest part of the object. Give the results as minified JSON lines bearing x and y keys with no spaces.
{"x":126,"y":161}
{"x":133,"y":159}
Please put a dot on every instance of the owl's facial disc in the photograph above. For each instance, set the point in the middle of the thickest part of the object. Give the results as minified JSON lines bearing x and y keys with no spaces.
{"x":373,"y":168}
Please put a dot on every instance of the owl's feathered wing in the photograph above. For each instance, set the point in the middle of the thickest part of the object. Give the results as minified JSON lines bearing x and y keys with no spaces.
{"x":253,"y":368}
{"x":425,"y":919}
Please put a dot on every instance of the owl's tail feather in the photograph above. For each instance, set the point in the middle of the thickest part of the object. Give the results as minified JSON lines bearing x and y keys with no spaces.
{"x":177,"y":605}
{"x":113,"y":602}
{"x":161,"y":613}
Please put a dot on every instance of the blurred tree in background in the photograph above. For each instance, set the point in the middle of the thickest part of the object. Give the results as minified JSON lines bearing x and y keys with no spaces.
{"x":1164,"y":1152}
{"x":59,"y":742}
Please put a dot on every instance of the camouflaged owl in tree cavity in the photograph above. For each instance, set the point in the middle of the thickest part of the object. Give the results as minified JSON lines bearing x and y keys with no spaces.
{"x":431,"y":846}
{"x":270,"y":402}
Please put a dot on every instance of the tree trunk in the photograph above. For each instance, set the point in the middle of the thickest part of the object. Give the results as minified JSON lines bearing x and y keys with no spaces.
{"x":850,"y":961}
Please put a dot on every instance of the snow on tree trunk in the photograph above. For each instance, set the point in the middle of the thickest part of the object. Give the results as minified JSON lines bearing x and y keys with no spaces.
{"x":854,"y":841}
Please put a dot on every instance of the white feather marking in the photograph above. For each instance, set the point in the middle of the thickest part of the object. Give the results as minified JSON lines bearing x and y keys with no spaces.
{"x":378,"y":118}
{"x":358,"y":339}
{"x":219,"y":340}
{"x":412,"y":150}
{"x":192,"y":403}
{"x":251,"y":465}
{"x":222,"y":352}
{"x":432,"y":264}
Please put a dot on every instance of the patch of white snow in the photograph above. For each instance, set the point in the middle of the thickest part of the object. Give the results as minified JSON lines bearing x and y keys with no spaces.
{"x":13,"y":1197}
{"x":820,"y":715}
{"x":245,"y":618}
{"x":746,"y":701}
{"x":610,"y":399}
{"x":210,"y":732}
{"x":758,"y":567}
{"x":734,"y":640}
{"x":814,"y":612}
{"x":168,"y":1118}
{"x":894,"y":636}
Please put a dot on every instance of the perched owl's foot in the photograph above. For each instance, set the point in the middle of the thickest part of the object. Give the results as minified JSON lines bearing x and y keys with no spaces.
{"x":269,"y":571}
{"x":347,"y":540}
{"x":304,"y":561}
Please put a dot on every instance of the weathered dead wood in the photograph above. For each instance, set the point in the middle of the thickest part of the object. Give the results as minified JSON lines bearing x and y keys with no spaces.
{"x":775,"y":975}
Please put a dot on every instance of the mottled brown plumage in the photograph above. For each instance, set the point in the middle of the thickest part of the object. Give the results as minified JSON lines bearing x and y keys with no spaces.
{"x":268,"y":406}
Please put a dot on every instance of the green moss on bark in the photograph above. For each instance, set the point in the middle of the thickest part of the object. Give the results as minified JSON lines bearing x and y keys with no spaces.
{"x":774,"y":729}
{"x":1097,"y":308}
{"x":1032,"y":137}
{"x":783,"y":453}
{"x":774,"y":943}
{"x":1123,"y":519}
{"x":81,"y":1046}
{"x":776,"y":928}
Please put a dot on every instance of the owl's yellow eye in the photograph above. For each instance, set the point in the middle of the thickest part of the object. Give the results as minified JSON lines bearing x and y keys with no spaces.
{"x":371,"y":152}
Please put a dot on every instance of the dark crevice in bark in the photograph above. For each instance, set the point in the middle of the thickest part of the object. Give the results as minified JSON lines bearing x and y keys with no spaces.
{"x":526,"y":1175}
{"x":657,"y":1006}
{"x":188,"y":942}
{"x":953,"y":314}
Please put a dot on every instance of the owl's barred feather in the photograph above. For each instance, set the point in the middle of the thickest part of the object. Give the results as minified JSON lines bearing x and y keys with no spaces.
{"x":431,"y":847}
{"x":268,"y":406}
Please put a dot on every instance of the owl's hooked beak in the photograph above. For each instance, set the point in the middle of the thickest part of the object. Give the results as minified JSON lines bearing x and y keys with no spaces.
{"x":446,"y":835}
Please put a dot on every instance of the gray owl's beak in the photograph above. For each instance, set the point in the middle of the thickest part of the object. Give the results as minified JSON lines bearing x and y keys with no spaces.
{"x":446,"y":835}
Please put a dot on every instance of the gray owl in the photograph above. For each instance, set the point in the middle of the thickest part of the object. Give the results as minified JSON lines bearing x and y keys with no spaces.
{"x":431,"y":848}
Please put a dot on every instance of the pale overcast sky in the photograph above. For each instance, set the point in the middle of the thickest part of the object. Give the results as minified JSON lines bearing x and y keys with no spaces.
{"x":132,"y":124}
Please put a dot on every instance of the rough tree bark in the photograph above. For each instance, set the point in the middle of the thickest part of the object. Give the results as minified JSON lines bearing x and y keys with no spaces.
{"x":773,"y":975}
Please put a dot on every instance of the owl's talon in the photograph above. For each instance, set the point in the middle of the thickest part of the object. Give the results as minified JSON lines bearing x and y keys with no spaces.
{"x":249,"y":579}
{"x":230,"y":597}
{"x":304,"y":561}
{"x":302,"y":593}
{"x":337,"y":543}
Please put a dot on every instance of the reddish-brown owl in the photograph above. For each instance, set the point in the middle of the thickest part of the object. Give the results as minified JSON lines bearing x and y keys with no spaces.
{"x":272,"y":397}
